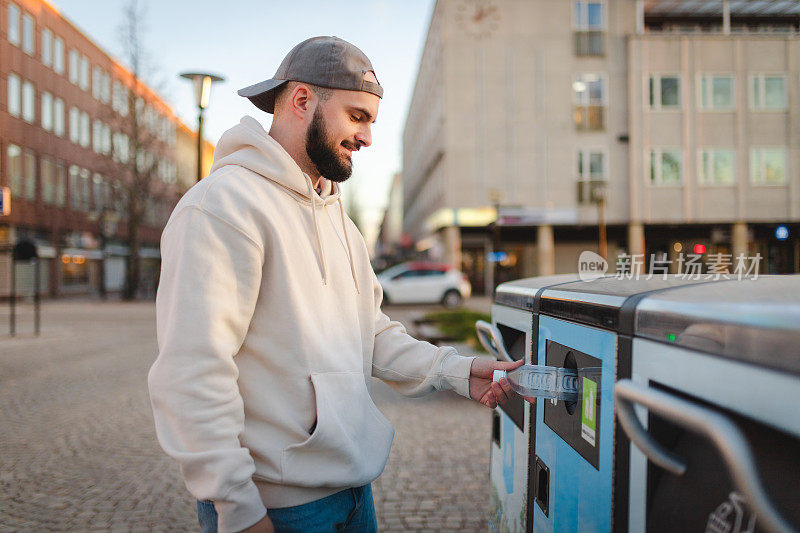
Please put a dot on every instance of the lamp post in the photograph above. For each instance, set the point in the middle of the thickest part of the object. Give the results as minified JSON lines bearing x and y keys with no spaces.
{"x":599,"y":197}
{"x":495,"y":196}
{"x":202,"y":89}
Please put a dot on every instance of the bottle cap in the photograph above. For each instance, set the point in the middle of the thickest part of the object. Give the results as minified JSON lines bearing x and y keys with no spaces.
{"x":499,"y":374}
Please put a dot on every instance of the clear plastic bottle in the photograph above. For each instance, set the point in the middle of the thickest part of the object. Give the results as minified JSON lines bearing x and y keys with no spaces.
{"x":543,"y":382}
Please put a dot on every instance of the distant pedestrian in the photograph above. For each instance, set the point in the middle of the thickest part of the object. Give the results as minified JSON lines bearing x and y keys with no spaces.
{"x":269,"y":317}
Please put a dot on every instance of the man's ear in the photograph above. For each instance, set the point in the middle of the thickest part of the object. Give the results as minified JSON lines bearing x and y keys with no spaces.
{"x":301,"y":100}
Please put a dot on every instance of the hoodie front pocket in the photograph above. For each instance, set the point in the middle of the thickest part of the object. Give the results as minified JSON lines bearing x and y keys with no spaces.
{"x":349,"y":446}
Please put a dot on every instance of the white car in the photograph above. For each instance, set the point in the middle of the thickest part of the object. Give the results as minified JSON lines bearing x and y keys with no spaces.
{"x":424,"y":283}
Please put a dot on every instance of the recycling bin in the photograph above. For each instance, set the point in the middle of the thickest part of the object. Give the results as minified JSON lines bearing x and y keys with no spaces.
{"x":692,"y":422}
{"x":510,"y":337}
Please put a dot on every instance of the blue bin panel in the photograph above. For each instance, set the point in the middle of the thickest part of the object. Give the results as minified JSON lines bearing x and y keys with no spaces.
{"x":579,"y":495}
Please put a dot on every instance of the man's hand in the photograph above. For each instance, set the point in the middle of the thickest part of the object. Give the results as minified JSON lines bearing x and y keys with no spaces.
{"x":481,"y":387}
{"x":262,"y":526}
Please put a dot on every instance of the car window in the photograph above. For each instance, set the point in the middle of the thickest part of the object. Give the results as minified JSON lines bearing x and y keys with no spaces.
{"x":431,"y":273}
{"x":408,"y":274}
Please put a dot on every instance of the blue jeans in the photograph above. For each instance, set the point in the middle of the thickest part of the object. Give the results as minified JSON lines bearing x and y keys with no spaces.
{"x":349,"y":510}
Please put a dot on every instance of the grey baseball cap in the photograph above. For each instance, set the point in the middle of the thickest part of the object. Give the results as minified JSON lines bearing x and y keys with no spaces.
{"x":323,"y":61}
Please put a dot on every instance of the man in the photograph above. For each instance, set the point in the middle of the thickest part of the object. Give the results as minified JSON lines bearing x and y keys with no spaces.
{"x":269,"y":319}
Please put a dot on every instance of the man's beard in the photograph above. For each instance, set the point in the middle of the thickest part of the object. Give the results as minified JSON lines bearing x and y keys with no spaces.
{"x":324,"y":155}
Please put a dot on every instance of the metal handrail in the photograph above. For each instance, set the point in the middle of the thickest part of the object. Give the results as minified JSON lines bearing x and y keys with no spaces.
{"x":715,"y":427}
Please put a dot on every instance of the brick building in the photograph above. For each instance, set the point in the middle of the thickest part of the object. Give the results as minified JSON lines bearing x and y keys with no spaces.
{"x":67,"y":110}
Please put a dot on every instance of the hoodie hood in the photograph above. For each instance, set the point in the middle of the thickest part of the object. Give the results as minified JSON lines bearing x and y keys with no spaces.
{"x":248,"y":145}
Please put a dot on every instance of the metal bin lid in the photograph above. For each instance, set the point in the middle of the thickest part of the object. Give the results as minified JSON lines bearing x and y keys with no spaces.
{"x":754,"y":320}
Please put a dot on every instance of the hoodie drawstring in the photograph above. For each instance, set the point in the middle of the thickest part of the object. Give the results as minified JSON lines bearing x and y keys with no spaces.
{"x":347,"y":240}
{"x":320,"y":249}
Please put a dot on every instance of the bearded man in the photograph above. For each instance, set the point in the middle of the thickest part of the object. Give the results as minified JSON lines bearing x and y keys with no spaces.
{"x":269,"y":316}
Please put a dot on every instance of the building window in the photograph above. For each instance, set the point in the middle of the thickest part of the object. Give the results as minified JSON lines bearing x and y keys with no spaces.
{"x":121,"y":148}
{"x":47,"y":47}
{"x":592,"y":175}
{"x":58,"y":116}
{"x":715,"y":167}
{"x":28,"y":102}
{"x":61,"y":185}
{"x":105,"y":88}
{"x":14,"y":98}
{"x":74,"y":125}
{"x":74,"y":187}
{"x":86,"y":136}
{"x":119,"y":201}
{"x":29,"y":170}
{"x":119,"y":101}
{"x":148,"y":118}
{"x":14,"y":162}
{"x":106,"y":147}
{"x":589,"y":100}
{"x":96,"y":75}
{"x":666,"y":166}
{"x":99,"y":201}
{"x":768,"y":166}
{"x":73,"y":66}
{"x":588,"y":24}
{"x":665,"y":92}
{"x":13,"y":24}
{"x":47,"y":111}
{"x":84,"y":79}
{"x":716,"y":92}
{"x":768,"y":92}
{"x":58,"y":55}
{"x":101,"y":138}
{"x":28,"y":29}
{"x":86,"y":190}
{"x":97,"y":132}
{"x":48,"y":184}
{"x":115,"y":95}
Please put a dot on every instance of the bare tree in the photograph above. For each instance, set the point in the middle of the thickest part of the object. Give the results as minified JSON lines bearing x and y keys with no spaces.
{"x":138,"y":162}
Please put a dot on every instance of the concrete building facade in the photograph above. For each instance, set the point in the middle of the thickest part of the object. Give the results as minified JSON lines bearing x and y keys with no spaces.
{"x":675,"y":123}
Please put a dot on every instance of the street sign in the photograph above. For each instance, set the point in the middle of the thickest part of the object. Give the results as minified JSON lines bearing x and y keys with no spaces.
{"x":5,"y":201}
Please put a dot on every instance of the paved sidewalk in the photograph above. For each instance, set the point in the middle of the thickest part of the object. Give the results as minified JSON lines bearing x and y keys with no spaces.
{"x":78,"y":449}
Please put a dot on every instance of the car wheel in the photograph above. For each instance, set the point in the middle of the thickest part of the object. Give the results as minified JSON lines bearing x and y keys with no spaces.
{"x":452,"y":299}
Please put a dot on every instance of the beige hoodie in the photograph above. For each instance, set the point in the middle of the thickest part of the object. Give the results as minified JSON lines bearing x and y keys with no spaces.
{"x":269,"y":328}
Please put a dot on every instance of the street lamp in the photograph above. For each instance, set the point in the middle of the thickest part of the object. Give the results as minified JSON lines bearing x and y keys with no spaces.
{"x":495,"y":196}
{"x":598,"y":195}
{"x":202,"y":89}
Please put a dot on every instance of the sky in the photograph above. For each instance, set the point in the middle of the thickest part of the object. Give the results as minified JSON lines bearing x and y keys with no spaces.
{"x":245,"y":40}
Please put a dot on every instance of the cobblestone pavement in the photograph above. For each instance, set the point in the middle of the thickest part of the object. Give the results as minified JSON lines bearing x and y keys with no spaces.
{"x":78,"y":450}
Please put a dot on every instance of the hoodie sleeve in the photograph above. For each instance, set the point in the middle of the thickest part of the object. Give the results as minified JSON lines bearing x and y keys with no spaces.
{"x":410,"y":366}
{"x":210,"y":279}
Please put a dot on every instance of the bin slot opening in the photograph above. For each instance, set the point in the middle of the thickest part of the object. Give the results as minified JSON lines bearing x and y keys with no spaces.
{"x":496,"y":427}
{"x":514,"y":341}
{"x":542,"y":497}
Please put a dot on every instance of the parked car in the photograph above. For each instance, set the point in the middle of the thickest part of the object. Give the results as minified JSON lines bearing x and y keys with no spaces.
{"x":424,"y":283}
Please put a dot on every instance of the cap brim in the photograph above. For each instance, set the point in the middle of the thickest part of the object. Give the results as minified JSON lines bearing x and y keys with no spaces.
{"x":262,"y":94}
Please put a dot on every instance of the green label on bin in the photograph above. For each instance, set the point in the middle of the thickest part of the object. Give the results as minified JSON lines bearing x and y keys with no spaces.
{"x":589,"y":411}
